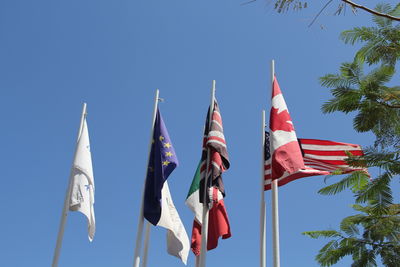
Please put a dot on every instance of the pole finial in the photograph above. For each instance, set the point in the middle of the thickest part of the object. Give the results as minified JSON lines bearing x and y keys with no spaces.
{"x":84,"y":109}
{"x":272,"y":70}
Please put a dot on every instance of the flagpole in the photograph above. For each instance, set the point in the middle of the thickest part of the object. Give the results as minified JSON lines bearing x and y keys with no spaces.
{"x":146,"y":244}
{"x":275,"y":211}
{"x":64,"y":212}
{"x":139,"y":234}
{"x":197,"y":261}
{"x":262,"y":203}
{"x":204,"y":226}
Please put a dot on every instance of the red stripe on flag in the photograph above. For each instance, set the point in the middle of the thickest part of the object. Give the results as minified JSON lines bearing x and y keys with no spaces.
{"x":333,"y":153}
{"x":309,"y":161}
{"x":216,"y":157}
{"x":216,"y":138}
{"x":326,"y":143}
{"x":295,"y":176}
{"x":217,"y":117}
{"x":332,"y":162}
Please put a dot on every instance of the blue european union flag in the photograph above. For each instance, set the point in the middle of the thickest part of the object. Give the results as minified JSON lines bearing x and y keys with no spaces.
{"x":162,"y":162}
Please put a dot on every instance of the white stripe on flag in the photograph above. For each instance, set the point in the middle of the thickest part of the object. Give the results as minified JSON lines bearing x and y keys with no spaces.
{"x":329,"y":147}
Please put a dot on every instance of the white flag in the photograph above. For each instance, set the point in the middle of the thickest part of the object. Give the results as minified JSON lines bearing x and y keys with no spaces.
{"x":177,"y":239}
{"x":82,"y":193}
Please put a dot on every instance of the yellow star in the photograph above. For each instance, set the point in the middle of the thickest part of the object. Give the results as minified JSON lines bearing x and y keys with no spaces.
{"x":161,"y":138}
{"x":165,"y":163}
{"x":152,"y":141}
{"x":151,"y":169}
{"x":167,"y":145}
{"x":168,"y":154}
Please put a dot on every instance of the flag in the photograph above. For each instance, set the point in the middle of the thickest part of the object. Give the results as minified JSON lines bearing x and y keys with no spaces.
{"x":218,"y":224}
{"x":321,"y":157}
{"x":285,"y":152}
{"x":82,"y":192}
{"x":159,"y":209}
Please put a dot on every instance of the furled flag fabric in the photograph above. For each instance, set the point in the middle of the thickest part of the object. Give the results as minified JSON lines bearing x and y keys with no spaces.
{"x":285,"y":152}
{"x":159,"y":209}
{"x":218,"y":223}
{"x":321,"y":157}
{"x":82,"y":193}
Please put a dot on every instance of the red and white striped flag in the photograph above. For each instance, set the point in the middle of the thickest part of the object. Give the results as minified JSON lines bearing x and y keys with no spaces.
{"x":321,"y":157}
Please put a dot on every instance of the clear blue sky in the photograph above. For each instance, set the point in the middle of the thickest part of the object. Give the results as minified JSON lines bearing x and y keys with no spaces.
{"x":54,"y":55}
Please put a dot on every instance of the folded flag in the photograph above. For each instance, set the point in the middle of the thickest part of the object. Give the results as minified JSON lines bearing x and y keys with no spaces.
{"x":321,"y":157}
{"x":218,"y":224}
{"x":82,"y":192}
{"x":159,"y":209}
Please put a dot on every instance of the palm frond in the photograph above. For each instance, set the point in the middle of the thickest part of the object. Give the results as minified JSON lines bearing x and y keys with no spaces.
{"x":352,"y":71}
{"x":396,"y":11}
{"x":355,"y":181}
{"x":367,"y":259}
{"x":377,"y":193}
{"x":329,"y":254}
{"x":325,"y":233}
{"x":384,"y":8}
{"x":379,"y":76}
{"x":345,"y":100}
{"x":368,"y":53}
{"x":359,"y":34}
{"x":334,"y":80}
{"x":349,"y":225}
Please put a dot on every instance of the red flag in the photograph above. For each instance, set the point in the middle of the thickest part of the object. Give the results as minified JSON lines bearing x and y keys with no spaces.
{"x":286,"y":155}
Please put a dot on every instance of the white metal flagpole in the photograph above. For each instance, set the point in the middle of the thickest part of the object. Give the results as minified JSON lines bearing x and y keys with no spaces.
{"x":66,"y":199}
{"x":262,"y":203}
{"x":146,"y":244}
{"x":204,"y":224}
{"x":139,"y":234}
{"x":197,"y":261}
{"x":275,"y":211}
